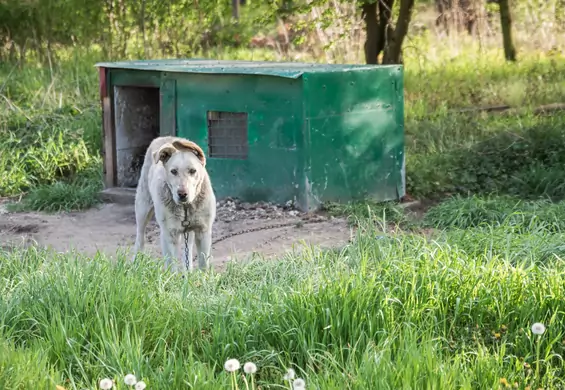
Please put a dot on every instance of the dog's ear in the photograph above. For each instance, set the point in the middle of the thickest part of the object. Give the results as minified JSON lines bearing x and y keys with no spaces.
{"x":164,"y":153}
{"x":189,"y":145}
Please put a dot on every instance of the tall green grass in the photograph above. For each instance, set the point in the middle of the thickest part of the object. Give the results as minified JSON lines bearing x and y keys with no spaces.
{"x":518,"y":155}
{"x":399,"y":312}
{"x":502,"y":226}
{"x":50,"y":139}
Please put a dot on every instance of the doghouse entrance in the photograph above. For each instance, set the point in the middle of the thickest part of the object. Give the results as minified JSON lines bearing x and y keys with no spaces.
{"x":137,"y":114}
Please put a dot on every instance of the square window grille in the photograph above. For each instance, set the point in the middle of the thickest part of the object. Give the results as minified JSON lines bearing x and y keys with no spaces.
{"x":227,"y":135}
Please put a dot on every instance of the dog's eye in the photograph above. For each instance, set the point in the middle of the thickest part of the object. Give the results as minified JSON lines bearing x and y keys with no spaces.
{"x":174,"y":171}
{"x":192,"y":171}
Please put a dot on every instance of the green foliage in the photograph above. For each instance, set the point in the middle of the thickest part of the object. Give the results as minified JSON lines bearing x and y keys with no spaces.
{"x":389,"y":212}
{"x":438,"y":84}
{"x":519,"y":155}
{"x":124,"y":27}
{"x":50,"y":136}
{"x":476,"y":211}
{"x":512,"y":241}
{"x":79,"y":192}
{"x":44,"y":149}
{"x":26,"y":369}
{"x":502,"y":226}
{"x":400,"y":312}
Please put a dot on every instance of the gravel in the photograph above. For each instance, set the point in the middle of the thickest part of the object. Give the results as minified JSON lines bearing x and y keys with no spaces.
{"x":230,"y":209}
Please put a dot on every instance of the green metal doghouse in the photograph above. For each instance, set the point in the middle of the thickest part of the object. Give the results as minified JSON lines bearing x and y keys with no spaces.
{"x":271,"y":131}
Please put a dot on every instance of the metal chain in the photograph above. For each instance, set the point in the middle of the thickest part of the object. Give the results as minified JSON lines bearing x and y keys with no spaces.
{"x":186,"y":225}
{"x":186,"y":259}
{"x":270,"y":240}
{"x":268,"y":227}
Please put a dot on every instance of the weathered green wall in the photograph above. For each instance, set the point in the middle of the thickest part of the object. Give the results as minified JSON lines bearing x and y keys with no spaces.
{"x":355,"y":136}
{"x":274,"y":108}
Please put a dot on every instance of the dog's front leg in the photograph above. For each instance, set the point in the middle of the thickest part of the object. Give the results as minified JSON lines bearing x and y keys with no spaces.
{"x":143,"y":214}
{"x":169,"y":246}
{"x":204,"y":247}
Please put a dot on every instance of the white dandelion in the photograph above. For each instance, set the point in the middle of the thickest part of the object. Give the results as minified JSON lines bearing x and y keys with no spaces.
{"x":250,"y":368}
{"x":290,"y":374}
{"x":130,"y":380}
{"x":538,"y":328}
{"x":140,"y":385}
{"x":232,"y":365}
{"x":106,"y":384}
{"x":299,"y":384}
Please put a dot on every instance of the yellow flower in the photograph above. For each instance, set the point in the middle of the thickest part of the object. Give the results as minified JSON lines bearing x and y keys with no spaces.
{"x":497,"y":335}
{"x":504,"y":382}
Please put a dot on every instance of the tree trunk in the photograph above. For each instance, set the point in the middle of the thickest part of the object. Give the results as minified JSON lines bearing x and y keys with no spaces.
{"x":506,"y":25}
{"x":393,"y":54}
{"x":385,"y":28}
{"x":371,"y":30}
{"x":235,"y":9}
{"x":143,"y":34}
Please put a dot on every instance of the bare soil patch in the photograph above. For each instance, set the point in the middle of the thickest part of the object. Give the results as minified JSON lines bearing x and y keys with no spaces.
{"x":110,"y":229}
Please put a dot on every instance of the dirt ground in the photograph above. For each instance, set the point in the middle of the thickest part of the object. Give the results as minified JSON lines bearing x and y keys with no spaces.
{"x":110,"y":228}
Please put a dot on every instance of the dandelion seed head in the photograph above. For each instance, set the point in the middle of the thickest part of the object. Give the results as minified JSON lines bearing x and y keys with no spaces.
{"x":538,"y":328}
{"x":140,"y":385}
{"x":232,"y":365}
{"x":298,"y":384}
{"x":249,"y":368}
{"x":290,"y":374}
{"x":106,"y":384}
{"x":130,"y":380}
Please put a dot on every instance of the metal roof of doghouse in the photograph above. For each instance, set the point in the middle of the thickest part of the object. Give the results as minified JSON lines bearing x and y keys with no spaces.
{"x":291,"y":70}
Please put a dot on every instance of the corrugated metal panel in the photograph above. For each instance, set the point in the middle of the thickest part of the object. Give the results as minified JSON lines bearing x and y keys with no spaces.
{"x":293,"y":70}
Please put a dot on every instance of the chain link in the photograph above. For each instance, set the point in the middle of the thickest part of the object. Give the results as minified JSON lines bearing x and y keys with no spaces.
{"x":268,"y":227}
{"x":186,"y":259}
{"x":186,"y":225}
{"x":240,"y":232}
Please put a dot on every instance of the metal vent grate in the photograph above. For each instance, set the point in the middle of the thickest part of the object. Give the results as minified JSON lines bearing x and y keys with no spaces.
{"x":227,"y":135}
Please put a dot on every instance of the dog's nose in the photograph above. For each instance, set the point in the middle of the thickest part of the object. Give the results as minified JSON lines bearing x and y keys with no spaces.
{"x":182,"y":195}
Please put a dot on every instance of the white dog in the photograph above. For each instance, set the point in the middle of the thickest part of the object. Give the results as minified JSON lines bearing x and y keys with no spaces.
{"x":174,"y":186}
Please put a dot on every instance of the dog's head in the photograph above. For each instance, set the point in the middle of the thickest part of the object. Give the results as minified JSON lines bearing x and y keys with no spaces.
{"x":184,"y":163}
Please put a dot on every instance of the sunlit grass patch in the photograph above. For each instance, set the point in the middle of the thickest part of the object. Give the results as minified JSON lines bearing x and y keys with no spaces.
{"x":375,"y":310}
